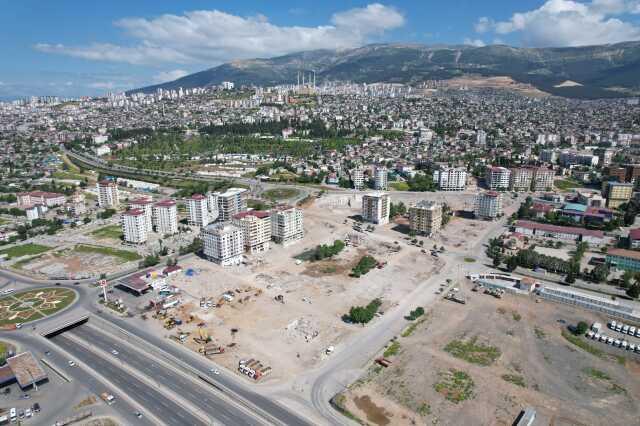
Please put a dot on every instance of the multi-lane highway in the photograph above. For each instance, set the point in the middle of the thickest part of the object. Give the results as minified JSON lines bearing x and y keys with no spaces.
{"x":158,"y":372}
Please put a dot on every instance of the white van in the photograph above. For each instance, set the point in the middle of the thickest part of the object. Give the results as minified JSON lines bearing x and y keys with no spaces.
{"x":632,"y":331}
{"x":13,"y":414}
{"x":612,"y":325}
{"x":619,"y":326}
{"x":625,"y":329}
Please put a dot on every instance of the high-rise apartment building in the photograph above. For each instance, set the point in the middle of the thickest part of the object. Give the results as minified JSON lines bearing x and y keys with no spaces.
{"x":488,"y":205}
{"x":230,"y":202}
{"x":542,"y":179}
{"x":134,"y":226}
{"x":381,"y":179}
{"x":425,"y":217}
{"x":357,"y":178}
{"x":223,"y":243}
{"x":256,"y":228}
{"x":287,"y":224}
{"x":146,"y":205}
{"x":165,"y":217}
{"x":521,"y":178}
{"x":497,"y":178}
{"x":375,"y":207}
{"x":450,"y":178}
{"x":616,"y":193}
{"x":197,"y":207}
{"x":108,"y":196}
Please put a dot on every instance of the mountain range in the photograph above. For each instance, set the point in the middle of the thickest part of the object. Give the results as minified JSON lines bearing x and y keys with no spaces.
{"x":603,"y":71}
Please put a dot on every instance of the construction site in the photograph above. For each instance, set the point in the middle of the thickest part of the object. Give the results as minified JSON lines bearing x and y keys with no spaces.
{"x":277,"y":315}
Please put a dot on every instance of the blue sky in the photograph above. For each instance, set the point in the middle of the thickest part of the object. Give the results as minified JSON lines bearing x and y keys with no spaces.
{"x":72,"y":48}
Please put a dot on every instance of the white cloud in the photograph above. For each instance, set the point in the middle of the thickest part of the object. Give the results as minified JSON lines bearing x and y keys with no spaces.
{"x":475,"y":42}
{"x":569,"y":23}
{"x":103,"y":85}
{"x":169,"y":76}
{"x":213,"y":36}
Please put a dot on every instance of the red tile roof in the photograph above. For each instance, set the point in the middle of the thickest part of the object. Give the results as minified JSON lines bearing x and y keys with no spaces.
{"x":134,"y":212}
{"x":261,"y":214}
{"x":560,"y":229}
{"x":165,"y":203}
{"x":634,"y":234}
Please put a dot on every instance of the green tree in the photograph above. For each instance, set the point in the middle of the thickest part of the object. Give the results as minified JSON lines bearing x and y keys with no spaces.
{"x":634,"y":291}
{"x":581,"y":328}
{"x":512,"y":263}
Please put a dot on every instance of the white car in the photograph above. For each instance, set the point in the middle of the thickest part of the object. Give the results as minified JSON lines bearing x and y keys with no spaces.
{"x":609,"y":340}
{"x":114,"y":352}
{"x":28,"y":412}
{"x":603,"y":338}
{"x":72,"y":363}
{"x":8,"y":291}
{"x":632,"y":347}
{"x":616,"y":342}
{"x":596,"y":336}
{"x":632,"y":331}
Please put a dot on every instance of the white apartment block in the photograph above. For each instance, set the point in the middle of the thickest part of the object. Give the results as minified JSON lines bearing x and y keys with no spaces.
{"x":212,"y":205}
{"x":165,"y":217}
{"x":521,"y":178}
{"x":108,"y":196}
{"x":256,"y":228}
{"x":198,"y":211}
{"x":146,"y":205}
{"x":425,"y":217}
{"x":451,"y":178}
{"x":497,"y":178}
{"x":287,"y":225}
{"x":223,"y":243}
{"x":381,"y":179}
{"x":36,"y":211}
{"x":134,"y":226}
{"x":375,"y":207}
{"x":542,"y":179}
{"x":48,"y":199}
{"x":230,"y":202}
{"x":488,"y":205}
{"x":357,"y":177}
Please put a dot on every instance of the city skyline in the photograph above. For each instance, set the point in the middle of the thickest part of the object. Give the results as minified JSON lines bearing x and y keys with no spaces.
{"x":95,"y":49}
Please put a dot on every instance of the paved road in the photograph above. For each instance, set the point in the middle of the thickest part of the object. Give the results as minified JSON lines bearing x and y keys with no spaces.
{"x":164,"y":408}
{"x":202,"y":365}
{"x":219,"y":409}
{"x":81,"y":374}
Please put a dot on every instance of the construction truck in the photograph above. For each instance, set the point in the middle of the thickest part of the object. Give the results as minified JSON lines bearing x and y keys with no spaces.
{"x":108,"y":398}
{"x":456,"y":298}
{"x":203,"y":336}
{"x":211,"y":349}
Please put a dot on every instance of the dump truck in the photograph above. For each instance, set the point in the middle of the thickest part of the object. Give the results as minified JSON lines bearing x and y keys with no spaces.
{"x":456,"y":298}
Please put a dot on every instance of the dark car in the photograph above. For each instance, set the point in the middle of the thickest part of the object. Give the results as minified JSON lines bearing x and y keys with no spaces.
{"x":36,"y":407}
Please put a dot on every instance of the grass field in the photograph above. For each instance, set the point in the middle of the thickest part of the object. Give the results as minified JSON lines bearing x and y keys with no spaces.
{"x":399,"y":186}
{"x":473,"y":352}
{"x":281,"y":193}
{"x":25,"y":250}
{"x":3,"y":221}
{"x":127,"y":256}
{"x":111,"y":231}
{"x":567,"y":184}
{"x":62,"y":175}
{"x":31,"y":305}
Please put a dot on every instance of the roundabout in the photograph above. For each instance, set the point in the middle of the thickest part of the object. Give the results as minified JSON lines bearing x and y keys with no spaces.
{"x":31,"y":305}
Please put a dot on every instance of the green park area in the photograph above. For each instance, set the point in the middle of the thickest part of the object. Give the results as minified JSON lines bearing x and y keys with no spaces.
{"x":112,"y":231}
{"x":399,"y":186}
{"x":31,"y":305}
{"x":567,"y":184}
{"x":280,"y":193}
{"x":127,"y":256}
{"x":24,"y":250}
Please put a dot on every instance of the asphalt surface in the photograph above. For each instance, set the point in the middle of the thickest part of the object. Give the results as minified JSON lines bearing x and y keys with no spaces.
{"x":221,"y":410}
{"x":79,"y":374}
{"x":201,"y":365}
{"x":164,"y":408}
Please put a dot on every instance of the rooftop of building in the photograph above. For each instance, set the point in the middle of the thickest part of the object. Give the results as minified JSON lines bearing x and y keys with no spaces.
{"x":43,"y":194}
{"x":376,"y":194}
{"x":220,"y":228}
{"x":427,"y":204}
{"x":165,"y":203}
{"x":632,"y":254}
{"x":260,"y":214}
{"x":141,"y":201}
{"x":198,"y":197}
{"x":634,"y":234}
{"x":133,"y":212}
{"x":559,"y":229}
{"x":106,"y":182}
{"x":26,"y":369}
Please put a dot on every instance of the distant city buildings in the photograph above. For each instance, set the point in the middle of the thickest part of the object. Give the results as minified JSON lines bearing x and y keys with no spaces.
{"x":375,"y":207}
{"x":425,"y":217}
{"x":108,"y":196}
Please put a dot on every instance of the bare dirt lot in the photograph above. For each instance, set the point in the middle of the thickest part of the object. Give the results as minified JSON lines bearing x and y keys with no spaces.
{"x":293,"y":336}
{"x":483,"y":362}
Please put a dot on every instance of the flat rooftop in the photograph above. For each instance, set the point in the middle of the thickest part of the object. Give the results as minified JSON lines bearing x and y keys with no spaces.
{"x":26,"y":369}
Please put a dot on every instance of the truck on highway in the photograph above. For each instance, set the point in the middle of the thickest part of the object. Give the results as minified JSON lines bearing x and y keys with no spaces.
{"x":108,"y":398}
